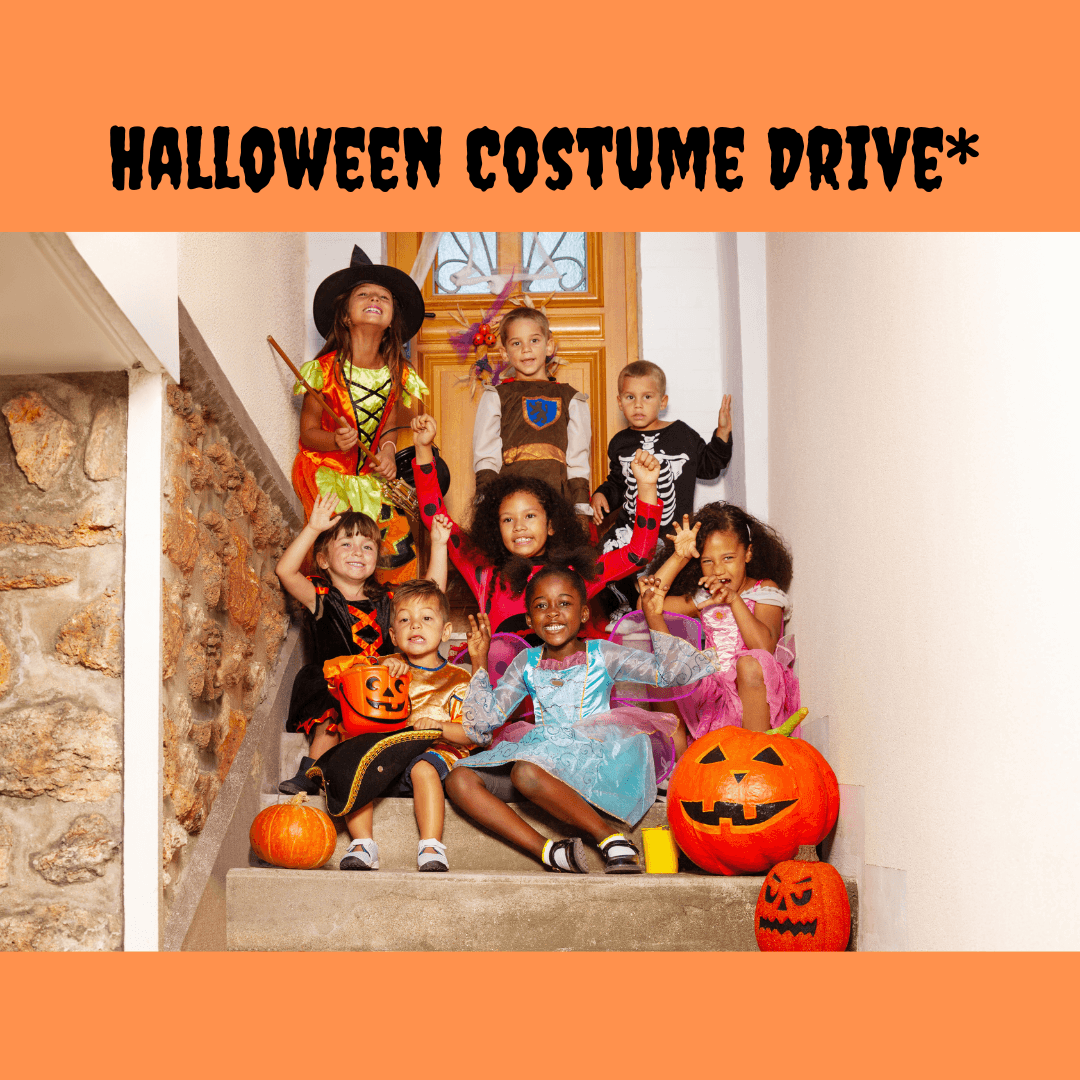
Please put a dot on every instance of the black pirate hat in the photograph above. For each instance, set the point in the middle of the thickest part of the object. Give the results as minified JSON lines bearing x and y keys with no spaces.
{"x":406,"y":295}
{"x":361,"y":768}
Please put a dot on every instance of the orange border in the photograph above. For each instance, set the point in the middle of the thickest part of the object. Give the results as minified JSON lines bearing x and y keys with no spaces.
{"x":71,"y":71}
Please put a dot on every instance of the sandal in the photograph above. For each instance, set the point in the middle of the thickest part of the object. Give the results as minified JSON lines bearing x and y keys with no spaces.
{"x":565,"y":856}
{"x":620,"y":855}
{"x":362,"y":855}
{"x":431,"y":860}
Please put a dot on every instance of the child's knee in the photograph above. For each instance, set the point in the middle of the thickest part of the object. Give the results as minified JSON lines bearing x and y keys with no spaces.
{"x":459,"y":782}
{"x":423,"y":771}
{"x":748,"y":672}
{"x":526,"y":777}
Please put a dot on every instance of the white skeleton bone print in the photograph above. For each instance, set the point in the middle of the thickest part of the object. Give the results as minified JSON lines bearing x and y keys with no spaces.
{"x":671,"y":467}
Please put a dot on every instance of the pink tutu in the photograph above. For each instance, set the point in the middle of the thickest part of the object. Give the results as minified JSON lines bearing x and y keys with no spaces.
{"x":715,"y":703}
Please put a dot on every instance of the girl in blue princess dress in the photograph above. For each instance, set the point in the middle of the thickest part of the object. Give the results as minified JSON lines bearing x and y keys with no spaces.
{"x":582,"y":757}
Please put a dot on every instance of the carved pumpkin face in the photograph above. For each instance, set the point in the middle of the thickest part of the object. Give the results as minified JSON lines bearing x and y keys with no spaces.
{"x":741,"y":801}
{"x":372,"y":699}
{"x":802,"y":907}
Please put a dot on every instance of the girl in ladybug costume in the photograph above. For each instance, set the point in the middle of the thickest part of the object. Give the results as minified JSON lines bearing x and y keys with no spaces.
{"x":520,"y":524}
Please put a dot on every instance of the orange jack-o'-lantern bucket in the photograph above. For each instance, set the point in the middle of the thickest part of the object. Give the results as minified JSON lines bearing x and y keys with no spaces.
{"x":371,"y":698}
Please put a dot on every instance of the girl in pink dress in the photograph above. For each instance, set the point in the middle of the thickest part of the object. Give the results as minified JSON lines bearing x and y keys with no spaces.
{"x":731,"y":571}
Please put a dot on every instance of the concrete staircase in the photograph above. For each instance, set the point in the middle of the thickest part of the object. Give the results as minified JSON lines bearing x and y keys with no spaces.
{"x":494,"y":898}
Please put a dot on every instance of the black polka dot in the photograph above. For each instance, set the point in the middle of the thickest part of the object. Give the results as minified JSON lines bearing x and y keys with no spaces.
{"x":430,"y":509}
{"x":637,"y":560}
{"x":500,"y":668}
{"x":641,"y":521}
{"x":455,"y":540}
{"x":427,"y":468}
{"x":652,"y":523}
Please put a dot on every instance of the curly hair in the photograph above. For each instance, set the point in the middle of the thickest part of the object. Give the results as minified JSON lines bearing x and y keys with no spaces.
{"x":567,"y":546}
{"x":352,"y":523}
{"x":567,"y":573}
{"x":391,"y":347}
{"x":770,"y":555}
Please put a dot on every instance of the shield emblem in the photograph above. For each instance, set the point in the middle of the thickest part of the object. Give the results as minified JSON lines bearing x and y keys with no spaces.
{"x":541,"y":412}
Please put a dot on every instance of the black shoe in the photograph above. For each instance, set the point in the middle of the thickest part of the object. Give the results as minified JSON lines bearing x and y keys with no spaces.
{"x":300,"y":783}
{"x":620,"y":855}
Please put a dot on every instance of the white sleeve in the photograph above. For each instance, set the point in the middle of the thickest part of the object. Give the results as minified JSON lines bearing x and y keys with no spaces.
{"x":487,"y":432}
{"x":578,"y":439}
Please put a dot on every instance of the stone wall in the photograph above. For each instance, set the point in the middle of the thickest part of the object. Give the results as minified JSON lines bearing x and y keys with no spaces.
{"x":62,"y":469}
{"x":224,"y":615}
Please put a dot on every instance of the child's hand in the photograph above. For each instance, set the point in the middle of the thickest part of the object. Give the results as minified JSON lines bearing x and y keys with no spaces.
{"x":386,"y":464}
{"x":324,"y":513}
{"x":395,"y":665}
{"x":441,"y":527}
{"x":723,"y":423}
{"x":345,"y":437}
{"x":600,"y":508}
{"x":652,"y":597}
{"x":478,"y":639}
{"x":720,"y":592}
{"x":423,"y":429}
{"x":685,"y":539}
{"x":426,"y":723}
{"x":645,"y":467}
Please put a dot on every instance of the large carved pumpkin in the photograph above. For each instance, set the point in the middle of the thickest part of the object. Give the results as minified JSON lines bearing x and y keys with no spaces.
{"x":371,"y":698}
{"x":293,"y":835}
{"x":802,"y":907}
{"x":741,"y":801}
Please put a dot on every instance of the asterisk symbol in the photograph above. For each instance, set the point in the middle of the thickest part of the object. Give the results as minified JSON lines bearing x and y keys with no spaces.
{"x":962,"y":146}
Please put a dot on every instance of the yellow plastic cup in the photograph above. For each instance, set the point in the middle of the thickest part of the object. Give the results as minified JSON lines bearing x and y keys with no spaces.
{"x":661,"y":855}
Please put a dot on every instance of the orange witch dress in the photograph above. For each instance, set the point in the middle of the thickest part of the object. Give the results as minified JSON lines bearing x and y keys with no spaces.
{"x":365,"y":396}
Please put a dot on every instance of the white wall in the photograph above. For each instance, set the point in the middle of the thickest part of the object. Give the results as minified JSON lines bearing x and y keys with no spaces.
{"x":239,"y":287}
{"x":328,"y":252}
{"x":922,"y":451}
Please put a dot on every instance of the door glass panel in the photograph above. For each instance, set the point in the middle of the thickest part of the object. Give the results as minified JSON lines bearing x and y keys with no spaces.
{"x":554,"y":262}
{"x":464,"y":263}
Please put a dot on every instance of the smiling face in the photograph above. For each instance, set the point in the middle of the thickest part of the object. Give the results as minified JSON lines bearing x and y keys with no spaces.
{"x":528,"y":348}
{"x":418,"y":629}
{"x":523,"y":524}
{"x":726,"y":556}
{"x":556,"y":612}
{"x":641,"y":402}
{"x":370,"y":305}
{"x":349,"y":560}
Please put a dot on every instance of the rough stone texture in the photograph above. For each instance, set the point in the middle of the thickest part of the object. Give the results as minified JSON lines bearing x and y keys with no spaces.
{"x":267,"y":523}
{"x":236,"y":653}
{"x":243,"y":597}
{"x":60,"y":750}
{"x":104,"y":457}
{"x":180,"y":537}
{"x":174,"y":837}
{"x":202,"y":654}
{"x":231,"y":468}
{"x":81,"y":853}
{"x":94,"y":636}
{"x":33,"y":581}
{"x":7,"y":842}
{"x":5,"y":667}
{"x":59,"y":928}
{"x":43,"y":439}
{"x":86,"y":532}
{"x":227,"y":746}
{"x":193,"y":426}
{"x":172,"y":627}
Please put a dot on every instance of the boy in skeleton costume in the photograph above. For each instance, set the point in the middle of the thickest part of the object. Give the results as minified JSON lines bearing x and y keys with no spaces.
{"x":683,"y":455}
{"x":531,"y":425}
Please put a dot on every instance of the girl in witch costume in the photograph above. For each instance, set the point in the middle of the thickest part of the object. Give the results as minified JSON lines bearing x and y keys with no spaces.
{"x":520,"y":524}
{"x":367,"y":313}
{"x":581,"y":756}
{"x":350,"y":616}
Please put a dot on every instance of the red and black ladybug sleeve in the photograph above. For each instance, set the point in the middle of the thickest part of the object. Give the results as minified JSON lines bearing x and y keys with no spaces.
{"x":624,"y":561}
{"x":464,"y":555}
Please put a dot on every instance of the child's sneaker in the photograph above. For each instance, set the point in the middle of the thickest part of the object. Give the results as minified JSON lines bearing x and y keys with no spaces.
{"x":362,"y":855}
{"x":620,"y":855}
{"x":434,"y":859}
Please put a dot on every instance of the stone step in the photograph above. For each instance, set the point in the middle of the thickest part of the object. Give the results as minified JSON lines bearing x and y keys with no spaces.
{"x":402,"y":910}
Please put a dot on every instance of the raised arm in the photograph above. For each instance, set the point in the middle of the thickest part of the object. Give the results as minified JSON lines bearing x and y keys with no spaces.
{"x":440,"y":538}
{"x":673,"y":662}
{"x":323,"y":517}
{"x":714,"y":455}
{"x":635,"y":556}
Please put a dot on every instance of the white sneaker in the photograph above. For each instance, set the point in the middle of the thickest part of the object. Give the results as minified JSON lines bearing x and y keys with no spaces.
{"x":431,"y":860}
{"x":362,"y":855}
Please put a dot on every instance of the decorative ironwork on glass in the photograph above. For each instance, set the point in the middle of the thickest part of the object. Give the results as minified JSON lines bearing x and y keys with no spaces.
{"x":466,"y":263}
{"x":554,"y":262}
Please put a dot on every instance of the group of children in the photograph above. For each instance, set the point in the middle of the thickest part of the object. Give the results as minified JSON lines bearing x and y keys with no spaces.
{"x":544,"y":592}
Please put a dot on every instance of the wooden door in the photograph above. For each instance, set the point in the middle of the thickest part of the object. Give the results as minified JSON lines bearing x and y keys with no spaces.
{"x":595,"y":327}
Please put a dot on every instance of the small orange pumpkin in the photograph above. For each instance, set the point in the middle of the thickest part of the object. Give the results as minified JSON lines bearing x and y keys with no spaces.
{"x":292,"y":835}
{"x":802,"y":907}
{"x":740,"y":801}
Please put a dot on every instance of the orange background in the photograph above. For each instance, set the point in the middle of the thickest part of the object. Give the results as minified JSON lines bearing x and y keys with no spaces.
{"x":69,"y":75}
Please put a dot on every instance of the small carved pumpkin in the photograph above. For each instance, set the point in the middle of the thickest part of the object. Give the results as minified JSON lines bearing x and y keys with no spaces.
{"x":292,"y":835}
{"x":371,"y":698}
{"x":802,"y":907}
{"x":741,"y":801}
